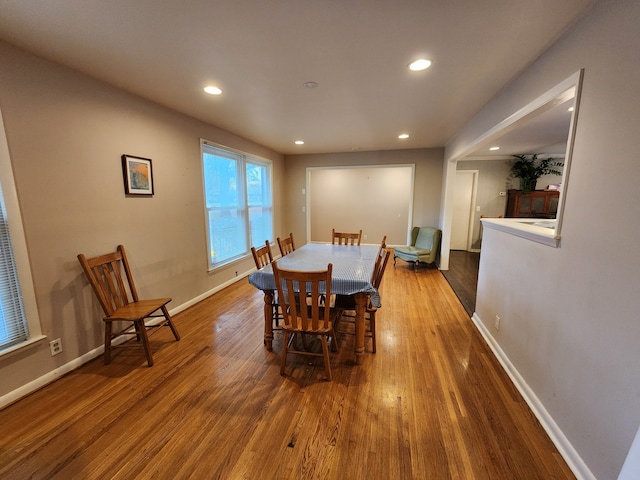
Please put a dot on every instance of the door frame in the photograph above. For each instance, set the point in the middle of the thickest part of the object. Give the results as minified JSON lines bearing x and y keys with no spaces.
{"x":472,"y":207}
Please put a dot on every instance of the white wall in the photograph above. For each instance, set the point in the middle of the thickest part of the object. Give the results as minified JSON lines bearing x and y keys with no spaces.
{"x":426,"y":195}
{"x":376,"y":200}
{"x":569,"y":316}
{"x":66,"y":133}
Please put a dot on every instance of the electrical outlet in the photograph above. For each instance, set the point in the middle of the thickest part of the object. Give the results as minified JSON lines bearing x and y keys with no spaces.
{"x":56,"y":346}
{"x":365,"y":237}
{"x":497,"y":323}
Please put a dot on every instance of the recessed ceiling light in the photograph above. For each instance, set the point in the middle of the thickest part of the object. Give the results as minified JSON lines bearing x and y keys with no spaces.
{"x":494,"y":148}
{"x":212,"y":90}
{"x":420,"y":64}
{"x":570,"y":109}
{"x":310,"y":84}
{"x":299,"y":142}
{"x":402,"y":136}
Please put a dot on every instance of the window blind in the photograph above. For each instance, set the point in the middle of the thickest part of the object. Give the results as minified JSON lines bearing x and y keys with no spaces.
{"x":13,"y":325}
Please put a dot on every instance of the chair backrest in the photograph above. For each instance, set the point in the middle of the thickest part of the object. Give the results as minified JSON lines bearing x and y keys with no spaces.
{"x":302,"y":298}
{"x":286,"y":245}
{"x":381,"y":265}
{"x":425,"y":237}
{"x":262,"y":256}
{"x":342,"y":238}
{"x":383,"y":246}
{"x":105,"y":274}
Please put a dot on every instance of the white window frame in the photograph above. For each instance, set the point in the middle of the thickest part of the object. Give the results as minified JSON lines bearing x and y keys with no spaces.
{"x":243,"y":160}
{"x":19,"y":245}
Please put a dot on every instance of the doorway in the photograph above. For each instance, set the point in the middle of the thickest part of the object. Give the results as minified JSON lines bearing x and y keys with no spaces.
{"x":463,"y":209}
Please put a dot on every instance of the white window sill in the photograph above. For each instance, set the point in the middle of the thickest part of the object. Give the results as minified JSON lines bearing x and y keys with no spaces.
{"x":534,"y":229}
{"x":32,"y":343}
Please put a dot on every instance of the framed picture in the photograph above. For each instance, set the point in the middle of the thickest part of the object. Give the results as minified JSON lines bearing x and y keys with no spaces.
{"x":138,"y":176}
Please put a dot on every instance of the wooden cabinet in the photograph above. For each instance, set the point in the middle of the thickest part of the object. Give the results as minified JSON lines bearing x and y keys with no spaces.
{"x":536,"y":204}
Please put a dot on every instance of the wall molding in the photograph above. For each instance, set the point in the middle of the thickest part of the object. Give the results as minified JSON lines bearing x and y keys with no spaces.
{"x":568,"y":453}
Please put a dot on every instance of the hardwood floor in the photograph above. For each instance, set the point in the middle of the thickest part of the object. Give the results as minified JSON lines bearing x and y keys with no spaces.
{"x":432,"y":403}
{"x":463,"y":277}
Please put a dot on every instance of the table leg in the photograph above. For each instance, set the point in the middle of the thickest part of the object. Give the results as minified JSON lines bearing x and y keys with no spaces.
{"x":268,"y":319}
{"x":361,"y":302}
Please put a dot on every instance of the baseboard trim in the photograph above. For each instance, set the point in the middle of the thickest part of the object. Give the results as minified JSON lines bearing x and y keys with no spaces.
{"x":208,"y":293}
{"x":49,"y":377}
{"x":570,"y":455}
{"x":53,"y":375}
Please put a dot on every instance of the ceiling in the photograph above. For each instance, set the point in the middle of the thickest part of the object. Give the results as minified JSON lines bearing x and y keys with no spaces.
{"x":545,"y":132}
{"x":260,"y":53}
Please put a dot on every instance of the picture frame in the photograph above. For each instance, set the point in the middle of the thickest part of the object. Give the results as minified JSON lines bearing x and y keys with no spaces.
{"x":138,"y":175}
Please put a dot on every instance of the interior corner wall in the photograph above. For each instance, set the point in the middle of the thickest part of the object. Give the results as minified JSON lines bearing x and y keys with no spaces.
{"x":427,"y":183}
{"x":66,"y":133}
{"x":569,"y":315}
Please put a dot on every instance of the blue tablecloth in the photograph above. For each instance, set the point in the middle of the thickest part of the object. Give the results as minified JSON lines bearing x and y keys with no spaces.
{"x":351,"y":273}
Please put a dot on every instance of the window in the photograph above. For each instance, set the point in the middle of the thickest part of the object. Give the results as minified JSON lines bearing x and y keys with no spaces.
{"x":238,"y":203}
{"x":13,"y":326}
{"x":19,"y":320}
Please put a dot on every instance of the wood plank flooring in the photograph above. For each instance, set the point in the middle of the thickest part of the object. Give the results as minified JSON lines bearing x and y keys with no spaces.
{"x":463,"y":277}
{"x":432,"y":403}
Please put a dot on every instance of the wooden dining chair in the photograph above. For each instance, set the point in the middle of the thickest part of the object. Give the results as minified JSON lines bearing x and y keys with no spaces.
{"x":111,"y":279}
{"x":302,"y":298}
{"x":346,"y":303}
{"x":286,"y":245}
{"x":262,"y":256}
{"x":342,"y":238}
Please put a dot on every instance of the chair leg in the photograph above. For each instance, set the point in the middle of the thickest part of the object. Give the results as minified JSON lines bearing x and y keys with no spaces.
{"x":285,"y":347}
{"x":325,"y":352}
{"x":145,"y":341}
{"x":372,"y":327}
{"x":165,"y":312}
{"x":137,"y":329}
{"x":334,"y":343}
{"x":107,"y":343}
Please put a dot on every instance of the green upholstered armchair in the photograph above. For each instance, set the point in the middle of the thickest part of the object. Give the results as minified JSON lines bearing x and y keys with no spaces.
{"x":425,"y":243}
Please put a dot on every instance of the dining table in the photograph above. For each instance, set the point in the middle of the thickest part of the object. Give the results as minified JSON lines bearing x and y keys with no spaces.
{"x":351,"y":275}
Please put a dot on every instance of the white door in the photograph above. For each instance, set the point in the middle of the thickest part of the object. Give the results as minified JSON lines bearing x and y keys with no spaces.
{"x":463,"y":209}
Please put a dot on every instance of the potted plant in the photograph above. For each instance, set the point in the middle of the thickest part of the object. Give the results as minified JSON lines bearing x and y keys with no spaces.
{"x":528,"y":168}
